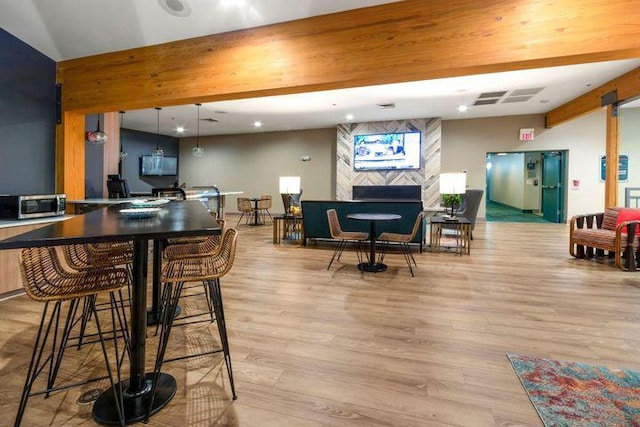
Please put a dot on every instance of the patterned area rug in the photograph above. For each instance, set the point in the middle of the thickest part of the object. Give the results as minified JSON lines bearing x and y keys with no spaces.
{"x":576,"y":394}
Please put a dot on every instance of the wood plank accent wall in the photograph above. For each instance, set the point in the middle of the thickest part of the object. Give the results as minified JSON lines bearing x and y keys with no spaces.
{"x":427,"y":177}
{"x":396,"y":42}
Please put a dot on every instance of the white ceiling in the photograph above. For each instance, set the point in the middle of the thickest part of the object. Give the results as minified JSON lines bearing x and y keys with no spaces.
{"x":68,"y":29}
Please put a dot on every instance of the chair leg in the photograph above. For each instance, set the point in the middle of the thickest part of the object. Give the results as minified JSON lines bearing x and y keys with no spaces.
{"x":240,"y":219}
{"x":170,"y":303}
{"x":337,"y":252}
{"x":409,"y":257}
{"x":36,"y":357}
{"x":58,"y":344}
{"x":222,"y":330}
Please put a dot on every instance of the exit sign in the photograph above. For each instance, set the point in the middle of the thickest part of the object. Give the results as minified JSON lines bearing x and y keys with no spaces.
{"x":527,"y":134}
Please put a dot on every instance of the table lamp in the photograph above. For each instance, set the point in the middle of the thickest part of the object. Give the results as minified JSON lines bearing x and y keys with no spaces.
{"x":289,"y":186}
{"x":452,"y":186}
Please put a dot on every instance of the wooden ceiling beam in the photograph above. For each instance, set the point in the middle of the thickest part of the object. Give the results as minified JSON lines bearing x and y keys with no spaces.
{"x":396,"y":42}
{"x":627,"y":86}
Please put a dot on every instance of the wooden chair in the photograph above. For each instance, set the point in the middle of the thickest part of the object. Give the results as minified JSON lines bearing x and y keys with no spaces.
{"x":403,"y":240}
{"x":45,"y":280}
{"x":245,"y":207}
{"x":343,"y":237}
{"x":208,"y":269}
{"x":264,"y":204}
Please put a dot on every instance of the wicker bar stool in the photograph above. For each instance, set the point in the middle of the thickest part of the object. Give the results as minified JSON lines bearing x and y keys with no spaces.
{"x":45,"y":280}
{"x":207,"y":269}
{"x":91,"y":256}
{"x":209,"y":246}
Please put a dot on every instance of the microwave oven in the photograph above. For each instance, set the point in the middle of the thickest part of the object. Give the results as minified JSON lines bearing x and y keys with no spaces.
{"x":32,"y":206}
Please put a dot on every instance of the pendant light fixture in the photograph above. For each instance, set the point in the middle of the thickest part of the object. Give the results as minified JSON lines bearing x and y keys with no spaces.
{"x":97,"y":137}
{"x":158,"y":151}
{"x":197,"y":150}
{"x":123,"y":154}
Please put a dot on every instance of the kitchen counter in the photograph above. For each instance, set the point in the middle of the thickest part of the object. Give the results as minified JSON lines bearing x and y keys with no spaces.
{"x":6,"y":223}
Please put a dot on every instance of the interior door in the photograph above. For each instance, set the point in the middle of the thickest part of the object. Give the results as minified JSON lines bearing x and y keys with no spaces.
{"x":552,"y":189}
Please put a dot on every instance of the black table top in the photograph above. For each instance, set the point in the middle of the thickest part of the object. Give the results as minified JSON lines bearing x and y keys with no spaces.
{"x":177,"y":218}
{"x":447,"y":220}
{"x":374,"y":216}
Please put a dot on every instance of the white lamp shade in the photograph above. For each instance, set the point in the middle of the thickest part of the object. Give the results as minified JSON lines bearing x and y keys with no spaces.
{"x":289,"y":185}
{"x":453,"y":183}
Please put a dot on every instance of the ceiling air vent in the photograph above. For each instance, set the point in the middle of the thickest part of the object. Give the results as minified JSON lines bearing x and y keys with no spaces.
{"x":486,"y":101}
{"x":524,"y":92}
{"x":210,"y":120}
{"x":512,"y":99}
{"x":387,"y":106}
{"x":492,"y":94}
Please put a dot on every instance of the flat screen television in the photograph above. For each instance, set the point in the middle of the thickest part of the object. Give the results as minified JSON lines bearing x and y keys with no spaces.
{"x":158,"y":166}
{"x":386,"y":151}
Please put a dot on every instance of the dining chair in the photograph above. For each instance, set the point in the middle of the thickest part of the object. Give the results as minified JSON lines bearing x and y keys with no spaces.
{"x":244,"y":207}
{"x":207,"y":269}
{"x":403,"y":240}
{"x":264,"y":204}
{"x":343,"y":237}
{"x":45,"y":280}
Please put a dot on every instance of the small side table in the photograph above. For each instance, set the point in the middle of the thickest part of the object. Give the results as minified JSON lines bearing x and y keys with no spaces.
{"x":289,"y":228}
{"x":462,"y":232}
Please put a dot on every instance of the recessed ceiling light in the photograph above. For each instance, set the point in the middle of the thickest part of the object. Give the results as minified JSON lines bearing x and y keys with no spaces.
{"x":462,"y":108}
{"x":349,"y":117}
{"x":176,"y":7}
{"x":180,"y":129}
{"x":257,"y":123}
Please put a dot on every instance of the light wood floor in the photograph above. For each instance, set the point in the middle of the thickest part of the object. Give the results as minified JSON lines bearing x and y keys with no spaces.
{"x":312,"y":347}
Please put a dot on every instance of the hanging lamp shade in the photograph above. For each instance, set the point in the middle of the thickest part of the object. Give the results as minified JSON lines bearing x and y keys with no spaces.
{"x":158,"y":152}
{"x":123,"y":154}
{"x":97,"y":137}
{"x":197,"y":150}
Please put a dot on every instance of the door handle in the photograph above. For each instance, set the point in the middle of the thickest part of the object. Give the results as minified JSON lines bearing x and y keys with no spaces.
{"x":548,"y":187}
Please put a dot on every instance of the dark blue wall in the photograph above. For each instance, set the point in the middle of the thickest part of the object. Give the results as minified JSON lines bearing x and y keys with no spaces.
{"x":93,"y":160}
{"x":27,"y":118}
{"x":136,"y":144}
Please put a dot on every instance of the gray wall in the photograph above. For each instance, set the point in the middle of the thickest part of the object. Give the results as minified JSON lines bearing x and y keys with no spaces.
{"x":253,"y":163}
{"x":93,"y":160}
{"x":630,"y":144}
{"x":136,"y":144}
{"x":27,"y":118}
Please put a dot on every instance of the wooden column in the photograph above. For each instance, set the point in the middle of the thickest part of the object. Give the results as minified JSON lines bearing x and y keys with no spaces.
{"x":111,"y":149}
{"x":70,"y":137}
{"x":612,"y":152}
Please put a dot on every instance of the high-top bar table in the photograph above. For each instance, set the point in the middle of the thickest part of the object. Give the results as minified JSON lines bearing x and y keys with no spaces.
{"x":176,"y":219}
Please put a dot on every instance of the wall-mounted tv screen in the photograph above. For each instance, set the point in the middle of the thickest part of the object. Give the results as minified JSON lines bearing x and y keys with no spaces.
{"x":386,"y":151}
{"x":158,"y":166}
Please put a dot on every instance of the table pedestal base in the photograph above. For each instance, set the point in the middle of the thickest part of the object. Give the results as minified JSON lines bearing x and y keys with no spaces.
{"x":135,"y":406}
{"x":154,"y":317}
{"x":375,"y":267}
